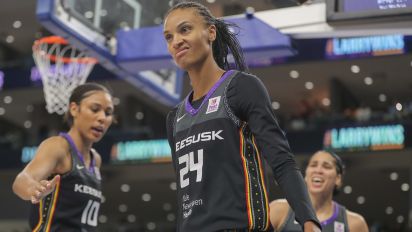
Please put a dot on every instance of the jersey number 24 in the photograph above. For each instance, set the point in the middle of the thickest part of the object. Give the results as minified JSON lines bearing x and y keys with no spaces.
{"x":189,"y":165}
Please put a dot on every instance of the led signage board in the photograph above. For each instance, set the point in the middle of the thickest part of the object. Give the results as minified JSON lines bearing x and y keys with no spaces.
{"x":385,"y":137}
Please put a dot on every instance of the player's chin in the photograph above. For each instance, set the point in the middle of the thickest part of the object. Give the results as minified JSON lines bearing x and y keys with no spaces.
{"x":96,"y":136}
{"x":97,"y":139}
{"x":315,"y":190}
{"x":183,"y":63}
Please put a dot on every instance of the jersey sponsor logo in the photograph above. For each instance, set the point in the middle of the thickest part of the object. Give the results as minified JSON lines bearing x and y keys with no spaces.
{"x":213,"y":105}
{"x":188,"y":205}
{"x":187,"y":213}
{"x":339,"y":227}
{"x":201,"y":137}
{"x":79,"y":167}
{"x":180,"y":118}
{"x":87,"y":190}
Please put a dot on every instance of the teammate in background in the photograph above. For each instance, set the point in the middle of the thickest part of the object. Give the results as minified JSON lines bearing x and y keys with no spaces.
{"x":324,"y":175}
{"x":221,"y":132}
{"x":63,"y":180}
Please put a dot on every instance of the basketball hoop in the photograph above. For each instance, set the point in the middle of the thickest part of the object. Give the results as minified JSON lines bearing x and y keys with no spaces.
{"x":62,"y":68}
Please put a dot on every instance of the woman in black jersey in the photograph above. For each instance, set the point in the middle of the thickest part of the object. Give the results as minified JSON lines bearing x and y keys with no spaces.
{"x":323,"y":177}
{"x":63,"y":180}
{"x":223,"y":131}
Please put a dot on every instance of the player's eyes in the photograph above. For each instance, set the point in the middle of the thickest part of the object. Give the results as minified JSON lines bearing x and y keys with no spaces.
{"x":109,"y":112}
{"x":185,"y":29}
{"x":168,"y":37}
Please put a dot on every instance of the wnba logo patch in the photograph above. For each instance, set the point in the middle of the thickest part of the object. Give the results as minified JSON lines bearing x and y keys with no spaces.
{"x":213,"y":105}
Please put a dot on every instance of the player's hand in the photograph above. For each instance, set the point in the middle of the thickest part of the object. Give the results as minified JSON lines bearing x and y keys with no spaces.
{"x":43,"y":188}
{"x":310,"y":226}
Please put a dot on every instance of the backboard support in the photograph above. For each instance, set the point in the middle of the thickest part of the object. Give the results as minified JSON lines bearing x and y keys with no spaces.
{"x":84,"y":25}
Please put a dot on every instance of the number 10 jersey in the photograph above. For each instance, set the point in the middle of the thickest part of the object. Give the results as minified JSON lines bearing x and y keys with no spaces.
{"x":75,"y":202}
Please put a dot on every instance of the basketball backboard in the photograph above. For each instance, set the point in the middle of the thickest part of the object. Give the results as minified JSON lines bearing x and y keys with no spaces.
{"x":91,"y":26}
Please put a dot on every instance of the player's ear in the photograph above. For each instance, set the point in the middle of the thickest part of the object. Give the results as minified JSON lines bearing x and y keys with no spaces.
{"x":212,"y":33}
{"x":338,"y":181}
{"x":73,"y":108}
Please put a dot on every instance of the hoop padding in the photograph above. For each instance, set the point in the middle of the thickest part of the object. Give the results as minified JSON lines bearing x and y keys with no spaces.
{"x":62,"y":68}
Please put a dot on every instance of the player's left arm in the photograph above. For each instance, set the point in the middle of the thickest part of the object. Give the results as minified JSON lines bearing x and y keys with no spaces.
{"x":250,"y":101}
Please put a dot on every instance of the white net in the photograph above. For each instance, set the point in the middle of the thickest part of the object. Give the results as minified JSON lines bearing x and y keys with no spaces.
{"x":62,"y":68}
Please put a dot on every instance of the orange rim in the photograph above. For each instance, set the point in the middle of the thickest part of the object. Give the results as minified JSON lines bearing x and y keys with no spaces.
{"x":59,"y":40}
{"x":84,"y":60}
{"x":51,"y":40}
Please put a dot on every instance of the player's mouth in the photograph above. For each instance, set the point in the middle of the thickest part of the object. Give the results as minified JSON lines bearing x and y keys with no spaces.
{"x":317,"y":181}
{"x":181,"y":52}
{"x":98,"y":131}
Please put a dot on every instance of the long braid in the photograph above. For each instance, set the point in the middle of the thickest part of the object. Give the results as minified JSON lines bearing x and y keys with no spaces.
{"x":226,"y":40}
{"x":225,"y":37}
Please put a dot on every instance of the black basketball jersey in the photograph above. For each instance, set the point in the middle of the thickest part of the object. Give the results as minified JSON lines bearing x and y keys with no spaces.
{"x":74,"y":204}
{"x":220,"y":181}
{"x":336,"y":223}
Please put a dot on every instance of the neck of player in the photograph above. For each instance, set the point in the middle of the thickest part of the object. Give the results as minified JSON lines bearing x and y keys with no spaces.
{"x":204,"y":76}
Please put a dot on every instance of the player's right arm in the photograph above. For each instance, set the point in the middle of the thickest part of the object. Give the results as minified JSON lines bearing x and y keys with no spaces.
{"x":31,"y":183}
{"x":169,"y":129}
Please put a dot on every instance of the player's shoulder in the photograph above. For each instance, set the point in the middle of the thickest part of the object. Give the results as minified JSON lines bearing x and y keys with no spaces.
{"x":54,"y":146}
{"x":97,"y":157}
{"x":176,"y":107}
{"x":173,"y":110}
{"x":354,"y":216}
{"x":280,"y":204}
{"x":245,"y":76}
{"x":356,"y":221}
{"x":280,"y":207}
{"x":171,"y":114}
{"x":246,"y":82}
{"x":55,"y":142}
{"x":278,"y":213}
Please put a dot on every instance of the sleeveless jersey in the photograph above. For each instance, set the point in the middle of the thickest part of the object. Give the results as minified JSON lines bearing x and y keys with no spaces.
{"x":336,"y":223}
{"x":220,"y":181}
{"x":75,"y":202}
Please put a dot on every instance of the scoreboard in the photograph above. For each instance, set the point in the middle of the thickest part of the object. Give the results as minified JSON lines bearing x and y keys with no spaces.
{"x":370,"y":5}
{"x":347,"y":11}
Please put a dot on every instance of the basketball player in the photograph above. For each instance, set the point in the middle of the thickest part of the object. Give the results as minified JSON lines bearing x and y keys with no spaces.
{"x":324,"y":175}
{"x":222,"y":131}
{"x":63,"y":179}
